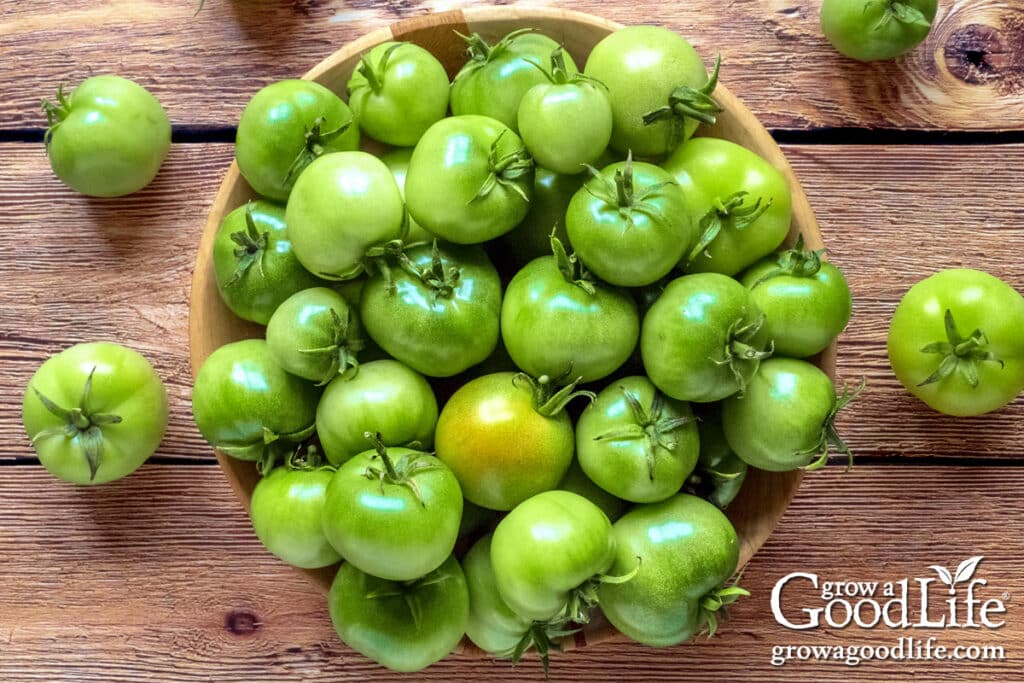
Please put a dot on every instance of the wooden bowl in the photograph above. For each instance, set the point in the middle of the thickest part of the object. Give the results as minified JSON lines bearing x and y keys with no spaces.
{"x":764,"y":497}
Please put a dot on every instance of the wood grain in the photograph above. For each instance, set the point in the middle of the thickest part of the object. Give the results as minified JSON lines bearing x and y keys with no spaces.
{"x":889,"y":215}
{"x":969,"y":74}
{"x":159,"y":578}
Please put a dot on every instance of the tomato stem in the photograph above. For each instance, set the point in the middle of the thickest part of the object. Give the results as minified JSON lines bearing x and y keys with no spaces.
{"x":960,"y":355}
{"x":316,"y":140}
{"x":571,"y":267}
{"x":796,"y":262}
{"x":903,"y":13}
{"x":55,"y":112}
{"x":734,"y":212}
{"x":715,"y":602}
{"x":343,"y":349}
{"x":688,"y":103}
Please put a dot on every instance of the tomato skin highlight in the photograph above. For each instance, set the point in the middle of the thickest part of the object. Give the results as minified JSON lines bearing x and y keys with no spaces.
{"x":109,"y":138}
{"x":500,"y":448}
{"x":976,"y":301}
{"x":122,"y":384}
{"x":373,"y":616}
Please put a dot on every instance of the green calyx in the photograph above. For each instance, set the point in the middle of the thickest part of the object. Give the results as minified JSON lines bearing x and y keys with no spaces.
{"x":252,"y":246}
{"x":571,"y":267}
{"x":269,"y":449}
{"x":558,"y":74}
{"x":654,"y":427}
{"x":734,"y":211}
{"x":960,"y":355}
{"x":343,"y":349}
{"x":542,"y":636}
{"x":506,"y":170}
{"x":620,"y":193}
{"x":308,"y":459}
{"x":550,"y":395}
{"x":374,"y":73}
{"x":55,"y":112}
{"x":830,"y":437}
{"x":795,"y":262}
{"x":81,"y":423}
{"x":739,"y":348}
{"x":409,"y":592}
{"x":901,"y":12}
{"x":398,"y":472}
{"x":316,"y":140}
{"x":688,"y":103}
{"x":714,"y":604}
{"x":583,"y":599}
{"x":442,"y":280}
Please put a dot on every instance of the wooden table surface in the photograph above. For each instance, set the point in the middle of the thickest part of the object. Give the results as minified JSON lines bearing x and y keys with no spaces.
{"x":911,"y":166}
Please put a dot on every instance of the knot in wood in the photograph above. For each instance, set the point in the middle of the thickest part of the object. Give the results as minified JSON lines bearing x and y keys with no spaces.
{"x":979,"y":54}
{"x":241,"y":622}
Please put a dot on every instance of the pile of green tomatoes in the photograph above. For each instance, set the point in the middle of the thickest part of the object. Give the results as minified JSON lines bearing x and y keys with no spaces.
{"x":524,"y":336}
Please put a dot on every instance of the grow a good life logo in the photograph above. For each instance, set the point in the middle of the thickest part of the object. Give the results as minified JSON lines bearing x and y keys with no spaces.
{"x":946,"y":600}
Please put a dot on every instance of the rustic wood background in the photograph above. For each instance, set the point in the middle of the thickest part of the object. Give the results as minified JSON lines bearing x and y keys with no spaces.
{"x":911,"y":166}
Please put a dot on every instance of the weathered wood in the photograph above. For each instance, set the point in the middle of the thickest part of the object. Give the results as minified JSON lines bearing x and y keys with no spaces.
{"x":74,"y":269}
{"x":159,"y":578}
{"x":969,"y":75}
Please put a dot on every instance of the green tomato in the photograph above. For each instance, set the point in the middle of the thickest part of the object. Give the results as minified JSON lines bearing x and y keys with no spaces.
{"x":935,"y":357}
{"x":493,"y":626}
{"x":806,"y":301}
{"x":701,"y":339}
{"x":287,"y":510}
{"x":405,"y":626}
{"x":547,"y":551}
{"x":254,"y":264}
{"x":469,"y":180}
{"x":108,"y":138}
{"x":384,"y":397}
{"x":786,"y":417}
{"x":393,"y":512}
{"x":397,"y":92}
{"x":686,"y":550}
{"x":94,"y":412}
{"x":315,"y":334}
{"x":635,"y":443}
{"x":398,"y":161}
{"x":439,"y":315}
{"x":556,"y":322}
{"x":658,"y":88}
{"x":630,"y":224}
{"x":502,"y":443}
{"x":342,"y":205}
{"x":497,"y":76}
{"x":870,"y":30}
{"x":740,"y":203}
{"x":576,"y":481}
{"x":720,"y":473}
{"x":244,"y":403}
{"x":546,"y":107}
{"x":284,"y":127}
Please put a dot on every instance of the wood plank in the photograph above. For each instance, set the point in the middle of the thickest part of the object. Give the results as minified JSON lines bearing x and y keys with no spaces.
{"x":969,"y":75}
{"x":158,"y":577}
{"x":119,"y":270}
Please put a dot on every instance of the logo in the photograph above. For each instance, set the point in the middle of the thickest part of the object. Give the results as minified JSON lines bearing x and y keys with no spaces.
{"x":942,"y":601}
{"x":949,"y":600}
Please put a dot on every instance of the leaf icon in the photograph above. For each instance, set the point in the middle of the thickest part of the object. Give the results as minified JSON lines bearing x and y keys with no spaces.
{"x":967,"y":568}
{"x":943,"y":573}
